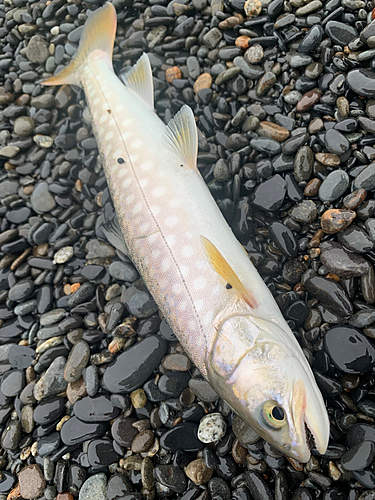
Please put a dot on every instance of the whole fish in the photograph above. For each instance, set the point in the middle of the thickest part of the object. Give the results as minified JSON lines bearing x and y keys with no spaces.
{"x":198,"y":273}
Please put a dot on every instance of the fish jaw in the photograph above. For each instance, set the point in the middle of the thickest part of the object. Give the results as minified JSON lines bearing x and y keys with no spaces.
{"x":252,"y":364}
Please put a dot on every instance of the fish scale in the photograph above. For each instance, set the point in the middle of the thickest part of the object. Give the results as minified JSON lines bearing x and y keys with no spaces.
{"x":198,"y":273}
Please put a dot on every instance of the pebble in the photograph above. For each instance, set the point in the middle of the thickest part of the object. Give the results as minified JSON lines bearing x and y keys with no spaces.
{"x":359,"y":457}
{"x":42,"y":199}
{"x":94,"y":488}
{"x":171,"y":476}
{"x":31,"y":482}
{"x":211,"y":428}
{"x":336,"y":259}
{"x":202,"y":389}
{"x":350,"y":351}
{"x":182,"y":436}
{"x":336,"y":220}
{"x":77,"y":361}
{"x":96,"y":409}
{"x":133,"y":367}
{"x":331,"y":294}
{"x":362,"y":81}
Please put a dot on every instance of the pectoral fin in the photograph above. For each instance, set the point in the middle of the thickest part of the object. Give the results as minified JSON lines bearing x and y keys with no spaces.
{"x":181,"y":137}
{"x":222,"y":267}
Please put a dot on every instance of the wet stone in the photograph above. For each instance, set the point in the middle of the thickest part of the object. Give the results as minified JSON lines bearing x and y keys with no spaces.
{"x":12,"y":383}
{"x":331,"y":294}
{"x":74,"y":431}
{"x":118,"y":486}
{"x":173,"y":383}
{"x":270,"y":194}
{"x":284,"y":239}
{"x":77,"y":361}
{"x":123,"y":271}
{"x":356,"y":239}
{"x":362,"y":81}
{"x":133,"y":367}
{"x":11,"y":435}
{"x":96,"y":409}
{"x":143,"y":441}
{"x":182,"y":436}
{"x":366,"y":178}
{"x":336,"y":142}
{"x":359,"y":457}
{"x":139,"y":302}
{"x":303,"y":164}
{"x":198,"y":472}
{"x":349,"y":349}
{"x":31,"y":482}
{"x":336,"y":219}
{"x":304,"y":212}
{"x":49,"y":410}
{"x":171,"y":476}
{"x":339,"y":261}
{"x":21,"y":356}
{"x":211,"y":428}
{"x":123,"y":431}
{"x":94,"y":488}
{"x":340,"y":33}
{"x":42,"y":199}
{"x":100,"y":452}
{"x":21,"y":290}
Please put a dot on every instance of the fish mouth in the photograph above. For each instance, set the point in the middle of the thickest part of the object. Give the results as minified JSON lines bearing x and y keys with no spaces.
{"x":312,"y":426}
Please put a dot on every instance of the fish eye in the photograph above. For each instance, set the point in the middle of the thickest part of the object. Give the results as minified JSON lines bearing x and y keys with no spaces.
{"x":273,"y":415}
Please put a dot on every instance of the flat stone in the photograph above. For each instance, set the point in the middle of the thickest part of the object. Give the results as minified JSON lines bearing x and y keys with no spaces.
{"x":31,"y":482}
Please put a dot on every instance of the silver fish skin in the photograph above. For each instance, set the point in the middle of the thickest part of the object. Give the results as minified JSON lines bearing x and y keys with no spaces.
{"x":198,"y":273}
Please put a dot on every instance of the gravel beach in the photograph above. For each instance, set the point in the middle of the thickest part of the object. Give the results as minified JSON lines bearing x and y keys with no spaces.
{"x":98,"y":400}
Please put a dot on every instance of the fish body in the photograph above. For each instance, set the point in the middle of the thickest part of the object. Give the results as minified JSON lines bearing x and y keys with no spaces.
{"x":198,"y":273}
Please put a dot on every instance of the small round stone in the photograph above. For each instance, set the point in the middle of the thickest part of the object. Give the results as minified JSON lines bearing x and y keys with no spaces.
{"x":212,"y":428}
{"x":198,"y":472}
{"x":63,"y":255}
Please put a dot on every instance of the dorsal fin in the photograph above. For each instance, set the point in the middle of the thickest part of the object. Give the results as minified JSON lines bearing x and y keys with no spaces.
{"x":222,"y":267}
{"x":181,"y":137}
{"x":139,"y":79}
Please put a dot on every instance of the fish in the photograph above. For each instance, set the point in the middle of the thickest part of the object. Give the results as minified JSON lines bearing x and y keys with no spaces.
{"x":198,"y":273}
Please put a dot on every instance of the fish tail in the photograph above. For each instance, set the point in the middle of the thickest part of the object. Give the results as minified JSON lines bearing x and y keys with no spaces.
{"x":98,"y":35}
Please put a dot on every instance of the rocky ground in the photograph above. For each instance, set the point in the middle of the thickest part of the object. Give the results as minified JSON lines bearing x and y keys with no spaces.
{"x":97,"y":398}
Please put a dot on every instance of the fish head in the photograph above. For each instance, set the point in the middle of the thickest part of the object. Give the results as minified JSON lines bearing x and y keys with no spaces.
{"x":261,"y":371}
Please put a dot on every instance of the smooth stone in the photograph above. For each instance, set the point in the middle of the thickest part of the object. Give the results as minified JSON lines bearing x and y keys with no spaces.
{"x":358,"y":433}
{"x":96,"y":409}
{"x":334,"y":185}
{"x":349,"y":350}
{"x":42,"y":199}
{"x":356,"y":239}
{"x":12,"y":383}
{"x":7,"y":482}
{"x":339,"y":261}
{"x":362,"y":81}
{"x":139,"y":301}
{"x":171,"y":476}
{"x":21,"y":290}
{"x":283,"y":238}
{"x":31,"y":482}
{"x":303,"y":164}
{"x":266,"y":146}
{"x":123,"y":271}
{"x":11,"y":435}
{"x":74,"y":431}
{"x":53,"y":381}
{"x":258,"y":486}
{"x":94,"y":488}
{"x":49,"y":444}
{"x":49,"y":410}
{"x":21,"y":356}
{"x":312,"y":39}
{"x":366,"y":178}
{"x":340,"y":33}
{"x":243,"y":432}
{"x":123,"y":431}
{"x":331,"y":294}
{"x":173,"y":383}
{"x":212,"y":428}
{"x":100,"y":452}
{"x":270,"y":194}
{"x":336,"y":142}
{"x":202,"y":389}
{"x":78,"y":358}
{"x":182,"y":437}
{"x":118,"y":486}
{"x":133,"y":367}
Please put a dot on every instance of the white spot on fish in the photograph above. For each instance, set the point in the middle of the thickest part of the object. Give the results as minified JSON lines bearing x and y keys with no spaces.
{"x":172,"y":220}
{"x":112,"y":122}
{"x":129,"y":199}
{"x":216,"y":290}
{"x":207,"y":319}
{"x":184,"y":271}
{"x":127,"y":122}
{"x":158,"y":191}
{"x":126,"y":135}
{"x":143,"y":183}
{"x":198,"y":304}
{"x":122,"y":173}
{"x":137,"y":144}
{"x":175,"y":203}
{"x":119,"y":108}
{"x":170,"y":239}
{"x":146,"y":165}
{"x":182,"y":305}
{"x":156,"y":254}
{"x":117,"y":154}
{"x":127,"y":182}
{"x":133,"y":158}
{"x":201,"y":264}
{"x":103,"y":118}
{"x":109,"y":135}
{"x":137,"y":208}
{"x":155,"y":210}
{"x":165,"y":265}
{"x":200,"y":283}
{"x":143,"y":227}
{"x":188,"y":251}
{"x":189,"y":235}
{"x":96,"y":101}
{"x":177,"y":288}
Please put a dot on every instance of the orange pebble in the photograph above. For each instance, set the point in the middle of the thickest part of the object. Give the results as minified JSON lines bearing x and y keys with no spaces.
{"x":242,"y":42}
{"x":75,"y":287}
{"x":173,"y":73}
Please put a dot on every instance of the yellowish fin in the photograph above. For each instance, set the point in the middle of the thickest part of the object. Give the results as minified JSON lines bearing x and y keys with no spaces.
{"x":98,"y":35}
{"x":139,"y":79}
{"x":181,"y":137}
{"x":222,"y":267}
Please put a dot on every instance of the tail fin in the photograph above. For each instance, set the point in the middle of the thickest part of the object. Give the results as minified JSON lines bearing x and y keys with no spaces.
{"x":98,"y":34}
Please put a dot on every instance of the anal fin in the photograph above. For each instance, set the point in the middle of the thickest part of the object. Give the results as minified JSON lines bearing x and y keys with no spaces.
{"x":113,"y":233}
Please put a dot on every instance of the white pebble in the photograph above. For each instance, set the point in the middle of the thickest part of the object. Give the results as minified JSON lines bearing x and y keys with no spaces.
{"x":63,"y":255}
{"x":211,"y":428}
